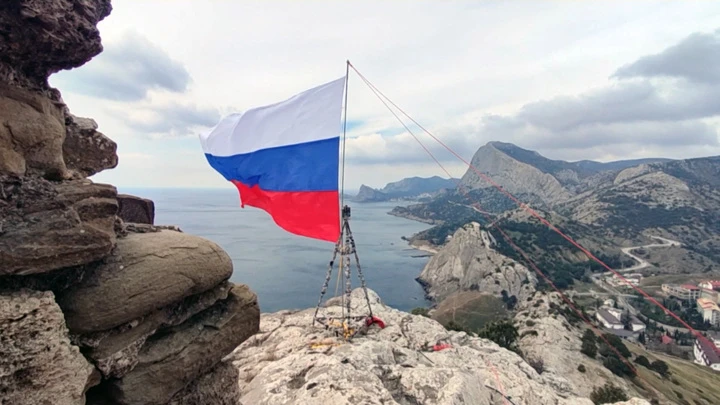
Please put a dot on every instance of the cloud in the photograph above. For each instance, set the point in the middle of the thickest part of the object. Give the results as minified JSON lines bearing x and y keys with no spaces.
{"x":696,"y":58}
{"x":174,"y":119}
{"x":127,"y":70}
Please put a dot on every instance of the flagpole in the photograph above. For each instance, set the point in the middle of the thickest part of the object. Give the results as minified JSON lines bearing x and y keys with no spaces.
{"x":342,"y":181}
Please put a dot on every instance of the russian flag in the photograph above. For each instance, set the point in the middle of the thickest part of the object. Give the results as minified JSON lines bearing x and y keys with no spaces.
{"x":284,"y":159}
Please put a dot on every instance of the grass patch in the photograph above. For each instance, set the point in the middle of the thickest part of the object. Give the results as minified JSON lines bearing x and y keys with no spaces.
{"x":471,"y":309}
{"x":688,"y":381}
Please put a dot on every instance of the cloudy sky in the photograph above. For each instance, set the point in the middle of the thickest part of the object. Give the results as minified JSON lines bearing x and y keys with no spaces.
{"x":600,"y":80}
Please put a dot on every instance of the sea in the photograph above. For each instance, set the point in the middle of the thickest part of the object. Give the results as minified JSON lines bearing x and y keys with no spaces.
{"x":287,"y":271}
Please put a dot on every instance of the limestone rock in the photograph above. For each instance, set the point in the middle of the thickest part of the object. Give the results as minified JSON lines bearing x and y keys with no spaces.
{"x":280,"y":365}
{"x":513,"y":175}
{"x":41,"y":37}
{"x":46,"y":226}
{"x":145,"y":272}
{"x":86,"y":151}
{"x":171,"y":360}
{"x":548,"y":336}
{"x":115,"y":352}
{"x":136,"y":210}
{"x":32,"y":132}
{"x":468,"y":262}
{"x":38,"y":365}
{"x":218,"y":387}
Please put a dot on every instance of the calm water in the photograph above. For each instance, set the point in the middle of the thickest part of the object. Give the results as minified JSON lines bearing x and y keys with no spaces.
{"x":287,"y":271}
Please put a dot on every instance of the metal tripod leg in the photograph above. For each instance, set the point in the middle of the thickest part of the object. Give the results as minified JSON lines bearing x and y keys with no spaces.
{"x":327,"y":281}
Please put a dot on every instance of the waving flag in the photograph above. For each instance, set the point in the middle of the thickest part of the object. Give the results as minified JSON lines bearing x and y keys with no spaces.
{"x":284,"y":159}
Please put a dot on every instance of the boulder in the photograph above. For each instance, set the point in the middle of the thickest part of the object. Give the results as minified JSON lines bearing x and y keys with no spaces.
{"x":46,"y":226}
{"x":115,"y":352}
{"x":218,"y":387}
{"x":86,"y":151}
{"x":171,"y":360}
{"x":145,"y":272}
{"x":41,"y":37}
{"x":32,"y":132}
{"x":136,"y":210}
{"x":38,"y":364}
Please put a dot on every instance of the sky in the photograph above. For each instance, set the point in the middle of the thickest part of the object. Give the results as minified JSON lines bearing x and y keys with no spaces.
{"x":600,"y":80}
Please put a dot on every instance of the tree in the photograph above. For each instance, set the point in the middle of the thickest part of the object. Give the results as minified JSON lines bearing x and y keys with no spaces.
{"x":607,"y":394}
{"x":504,"y":333}
{"x":625,"y":319}
{"x":641,"y":338}
{"x":661,"y":367}
{"x":589,"y":348}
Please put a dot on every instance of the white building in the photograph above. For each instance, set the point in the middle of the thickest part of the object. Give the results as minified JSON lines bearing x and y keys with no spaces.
{"x":636,"y":324}
{"x":706,"y":353}
{"x":709,"y":311}
{"x":609,"y":317}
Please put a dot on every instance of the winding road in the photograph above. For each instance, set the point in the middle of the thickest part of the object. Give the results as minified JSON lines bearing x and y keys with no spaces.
{"x":621,"y":298}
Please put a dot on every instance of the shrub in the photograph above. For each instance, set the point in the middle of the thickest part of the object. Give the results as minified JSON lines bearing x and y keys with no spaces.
{"x":581,"y":368}
{"x":643,"y":361}
{"x":607,"y":394}
{"x":420,"y":311}
{"x":589,"y":348}
{"x":661,"y":367}
{"x":530,"y":323}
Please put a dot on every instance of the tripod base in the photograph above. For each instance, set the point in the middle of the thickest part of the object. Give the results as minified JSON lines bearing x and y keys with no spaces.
{"x":346,"y":324}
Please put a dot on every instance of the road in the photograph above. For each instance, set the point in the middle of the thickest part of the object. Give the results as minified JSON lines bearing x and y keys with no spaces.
{"x":621,"y":298}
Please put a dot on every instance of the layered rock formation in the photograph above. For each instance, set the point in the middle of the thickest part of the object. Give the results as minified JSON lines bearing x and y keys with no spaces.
{"x":469,"y":263}
{"x":290,"y":362}
{"x":97,"y":304}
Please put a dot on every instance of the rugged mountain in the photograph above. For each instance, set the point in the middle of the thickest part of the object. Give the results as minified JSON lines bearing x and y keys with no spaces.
{"x":468,"y":262}
{"x":409,"y":188}
{"x":289,"y":361}
{"x":677,"y":199}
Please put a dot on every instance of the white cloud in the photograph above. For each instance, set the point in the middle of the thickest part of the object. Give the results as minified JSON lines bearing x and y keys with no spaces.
{"x":447,"y":64}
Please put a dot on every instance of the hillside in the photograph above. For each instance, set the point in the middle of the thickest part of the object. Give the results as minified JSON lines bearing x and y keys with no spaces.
{"x":602,"y":205}
{"x":409,"y":188}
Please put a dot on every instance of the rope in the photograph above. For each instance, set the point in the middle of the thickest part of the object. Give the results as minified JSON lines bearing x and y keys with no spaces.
{"x":509,"y":240}
{"x":531,"y":211}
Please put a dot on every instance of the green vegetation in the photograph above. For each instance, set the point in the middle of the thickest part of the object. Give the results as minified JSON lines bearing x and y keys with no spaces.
{"x":589,"y":344}
{"x":689,"y":314}
{"x":581,"y":368}
{"x":607,"y":394}
{"x":502,"y":332}
{"x":420,"y":311}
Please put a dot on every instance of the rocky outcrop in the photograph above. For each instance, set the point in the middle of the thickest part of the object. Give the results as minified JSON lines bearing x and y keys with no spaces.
{"x":41,"y":37}
{"x":292,"y":362}
{"x":369,"y":194}
{"x":87,"y":151}
{"x":146,"y":271}
{"x":513,"y":175}
{"x":38,"y":365}
{"x":136,"y":210}
{"x":48,"y":226}
{"x":546,"y":335}
{"x":468,"y":262}
{"x":96,"y":302}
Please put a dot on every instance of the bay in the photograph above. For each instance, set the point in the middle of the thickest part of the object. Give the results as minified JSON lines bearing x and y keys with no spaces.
{"x":287,"y":271}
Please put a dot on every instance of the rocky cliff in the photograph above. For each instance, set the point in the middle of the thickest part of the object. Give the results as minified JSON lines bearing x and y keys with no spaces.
{"x":290,"y":362}
{"x":97,"y":304}
{"x":468,"y":262}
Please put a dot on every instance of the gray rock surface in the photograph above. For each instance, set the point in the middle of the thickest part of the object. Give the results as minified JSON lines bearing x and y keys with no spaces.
{"x":41,"y":37}
{"x":38,"y":364}
{"x":32,"y":132}
{"x":468,"y":262}
{"x":86,"y":151}
{"x":115,"y":352}
{"x":221,"y":386}
{"x":170,"y":361}
{"x":48,"y":226}
{"x":513,"y":175}
{"x":280,"y":365}
{"x":145,"y":272}
{"x":136,"y":209}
